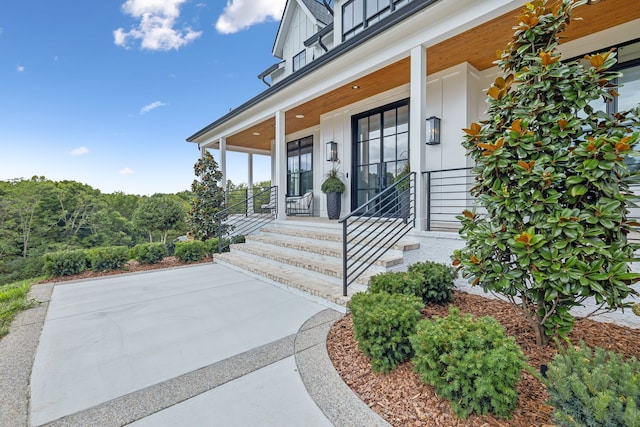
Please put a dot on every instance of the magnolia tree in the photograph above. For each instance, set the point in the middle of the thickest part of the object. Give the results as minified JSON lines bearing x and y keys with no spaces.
{"x":208,"y":198}
{"x":550,"y":171}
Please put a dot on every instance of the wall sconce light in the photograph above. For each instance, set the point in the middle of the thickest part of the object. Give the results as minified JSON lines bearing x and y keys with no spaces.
{"x":332,"y":151}
{"x":433,"y":131}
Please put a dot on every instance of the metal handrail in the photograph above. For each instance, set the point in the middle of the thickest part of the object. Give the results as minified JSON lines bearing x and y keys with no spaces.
{"x":447,"y":195}
{"x":231,"y":225}
{"x":374,"y":227}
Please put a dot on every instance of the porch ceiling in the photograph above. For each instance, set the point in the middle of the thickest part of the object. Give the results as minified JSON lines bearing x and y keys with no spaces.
{"x":478,"y":46}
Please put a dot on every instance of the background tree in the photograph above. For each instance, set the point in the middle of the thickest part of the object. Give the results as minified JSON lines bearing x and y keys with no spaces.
{"x":208,"y":198}
{"x":159,"y":213}
{"x":550,"y":172}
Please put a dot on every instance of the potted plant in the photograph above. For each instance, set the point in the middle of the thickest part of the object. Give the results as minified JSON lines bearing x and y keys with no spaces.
{"x":333,"y":187}
{"x":404,"y":194}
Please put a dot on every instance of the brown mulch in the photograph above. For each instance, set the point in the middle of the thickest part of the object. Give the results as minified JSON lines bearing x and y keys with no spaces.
{"x":403,"y":400}
{"x":131,"y":267}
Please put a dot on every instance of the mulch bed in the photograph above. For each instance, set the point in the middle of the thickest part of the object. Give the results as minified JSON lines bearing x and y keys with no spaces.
{"x":131,"y":267}
{"x":403,"y":400}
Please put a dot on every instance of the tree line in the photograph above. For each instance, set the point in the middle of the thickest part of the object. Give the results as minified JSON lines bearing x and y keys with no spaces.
{"x":38,"y":216}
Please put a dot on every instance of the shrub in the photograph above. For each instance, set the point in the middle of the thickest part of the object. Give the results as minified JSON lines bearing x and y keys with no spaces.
{"x":382,"y":324}
{"x":108,"y":258}
{"x":149,"y":253}
{"x":437,"y":286}
{"x":403,"y":283}
{"x":190,"y":251}
{"x":65,"y":263}
{"x":594,"y":388}
{"x":636,"y":309}
{"x":472,"y":363}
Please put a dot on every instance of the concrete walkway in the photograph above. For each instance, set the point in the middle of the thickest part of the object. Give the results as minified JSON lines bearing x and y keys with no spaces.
{"x":195,"y":346}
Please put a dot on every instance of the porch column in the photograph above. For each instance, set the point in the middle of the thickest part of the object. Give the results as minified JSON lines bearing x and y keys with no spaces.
{"x":418,"y":115}
{"x":223,"y":162}
{"x":250,"y":182}
{"x":281,"y":164}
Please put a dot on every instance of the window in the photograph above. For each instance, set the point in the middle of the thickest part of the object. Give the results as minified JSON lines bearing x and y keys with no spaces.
{"x":360,"y":14}
{"x":300,"y":166}
{"x":299,"y":61}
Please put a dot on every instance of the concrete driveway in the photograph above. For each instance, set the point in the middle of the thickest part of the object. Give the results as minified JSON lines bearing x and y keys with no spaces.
{"x":203,"y":345}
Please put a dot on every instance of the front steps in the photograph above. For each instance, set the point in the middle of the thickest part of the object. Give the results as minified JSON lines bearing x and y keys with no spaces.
{"x":306,"y":255}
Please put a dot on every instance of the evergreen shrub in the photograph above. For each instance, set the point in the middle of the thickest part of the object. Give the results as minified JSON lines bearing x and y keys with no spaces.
{"x":382,"y":324}
{"x":149,"y":253}
{"x":108,"y":258}
{"x":472,"y":363}
{"x":437,"y":286}
{"x":594,"y":388}
{"x":190,"y":251}
{"x":403,"y":283}
{"x":65,"y":263}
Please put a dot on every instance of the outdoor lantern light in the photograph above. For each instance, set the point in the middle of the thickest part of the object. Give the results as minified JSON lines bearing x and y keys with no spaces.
{"x":433,"y":130}
{"x":332,"y":151}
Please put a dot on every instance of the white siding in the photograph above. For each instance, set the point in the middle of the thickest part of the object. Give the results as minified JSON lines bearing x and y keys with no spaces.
{"x":300,"y":30}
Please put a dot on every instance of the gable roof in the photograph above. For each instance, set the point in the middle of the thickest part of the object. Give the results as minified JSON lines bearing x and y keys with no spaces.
{"x":312,"y":8}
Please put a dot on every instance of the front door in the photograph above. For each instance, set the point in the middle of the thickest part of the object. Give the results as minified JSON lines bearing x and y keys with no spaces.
{"x":380,"y":139}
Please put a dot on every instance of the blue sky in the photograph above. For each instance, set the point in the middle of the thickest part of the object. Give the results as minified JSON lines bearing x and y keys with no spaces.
{"x":106,"y":92}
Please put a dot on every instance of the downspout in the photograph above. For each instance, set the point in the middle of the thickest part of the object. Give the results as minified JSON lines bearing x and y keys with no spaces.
{"x":322,"y":44}
{"x":264,"y":81}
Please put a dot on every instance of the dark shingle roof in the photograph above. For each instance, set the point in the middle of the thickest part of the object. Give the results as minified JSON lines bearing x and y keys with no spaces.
{"x":319,"y":11}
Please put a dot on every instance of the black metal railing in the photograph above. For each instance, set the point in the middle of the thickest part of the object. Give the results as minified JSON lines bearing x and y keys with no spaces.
{"x":242,"y":218}
{"x":447,"y":195}
{"x":373,"y":228}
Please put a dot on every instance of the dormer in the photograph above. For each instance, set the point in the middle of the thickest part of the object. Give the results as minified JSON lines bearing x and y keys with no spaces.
{"x":305,"y":33}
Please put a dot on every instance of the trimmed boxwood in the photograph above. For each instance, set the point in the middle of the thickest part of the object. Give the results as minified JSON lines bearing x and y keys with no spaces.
{"x":190,"y":251}
{"x":437,"y":284}
{"x":65,"y":263}
{"x":382,"y":324}
{"x":149,"y":253}
{"x":108,"y":258}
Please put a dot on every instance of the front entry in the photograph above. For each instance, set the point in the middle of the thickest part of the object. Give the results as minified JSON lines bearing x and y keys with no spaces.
{"x":380,"y":140}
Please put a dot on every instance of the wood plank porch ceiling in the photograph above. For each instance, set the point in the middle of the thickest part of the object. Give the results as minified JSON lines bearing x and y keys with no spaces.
{"x":478,"y":46}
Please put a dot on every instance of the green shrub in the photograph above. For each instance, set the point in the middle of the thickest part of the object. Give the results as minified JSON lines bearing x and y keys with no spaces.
{"x":382,"y":324}
{"x":594,"y":388}
{"x":108,"y":258}
{"x":437,"y":286}
{"x":65,"y":263}
{"x":238,"y":239}
{"x":149,"y":253}
{"x":403,"y":283}
{"x":636,"y":309}
{"x":190,"y":251}
{"x":472,"y":363}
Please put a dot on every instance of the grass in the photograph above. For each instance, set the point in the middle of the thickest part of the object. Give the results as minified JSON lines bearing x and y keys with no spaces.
{"x":13,"y":300}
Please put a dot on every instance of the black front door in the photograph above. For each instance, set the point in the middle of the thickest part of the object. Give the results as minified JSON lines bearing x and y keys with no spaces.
{"x":380,"y":141}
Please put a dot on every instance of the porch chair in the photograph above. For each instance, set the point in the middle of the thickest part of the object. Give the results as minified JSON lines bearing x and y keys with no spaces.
{"x":271,"y":206}
{"x":300,"y":205}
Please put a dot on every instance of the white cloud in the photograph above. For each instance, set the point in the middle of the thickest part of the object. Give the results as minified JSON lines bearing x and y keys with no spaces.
{"x":20,"y":68}
{"x":125,"y":171}
{"x":156,"y":27}
{"x":80,"y":151}
{"x":241,"y":14}
{"x":152,"y":106}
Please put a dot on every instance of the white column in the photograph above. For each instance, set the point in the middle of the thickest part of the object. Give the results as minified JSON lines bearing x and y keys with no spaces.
{"x":250,"y":182}
{"x":223,"y":162}
{"x":417,"y":109}
{"x":281,"y":164}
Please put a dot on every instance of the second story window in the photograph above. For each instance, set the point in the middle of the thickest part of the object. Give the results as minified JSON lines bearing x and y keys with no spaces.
{"x":299,"y":61}
{"x":360,"y":14}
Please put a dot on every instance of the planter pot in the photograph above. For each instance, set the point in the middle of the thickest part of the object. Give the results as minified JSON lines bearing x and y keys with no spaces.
{"x":405,"y":205}
{"x":334,"y":202}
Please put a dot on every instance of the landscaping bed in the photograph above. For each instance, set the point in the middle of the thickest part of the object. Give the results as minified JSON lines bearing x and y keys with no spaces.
{"x":131,"y":267}
{"x":403,"y":400}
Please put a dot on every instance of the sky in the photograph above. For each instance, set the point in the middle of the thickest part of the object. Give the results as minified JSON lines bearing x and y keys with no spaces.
{"x":106,"y":92}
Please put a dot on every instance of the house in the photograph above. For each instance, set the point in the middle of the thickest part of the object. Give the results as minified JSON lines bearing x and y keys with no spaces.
{"x":362,"y":78}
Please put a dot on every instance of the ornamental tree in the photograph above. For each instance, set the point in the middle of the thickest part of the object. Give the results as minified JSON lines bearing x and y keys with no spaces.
{"x":208,"y":198}
{"x":550,"y":171}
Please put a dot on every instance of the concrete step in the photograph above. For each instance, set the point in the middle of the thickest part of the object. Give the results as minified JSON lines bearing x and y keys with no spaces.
{"x":323,"y":248}
{"x":282,"y":275}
